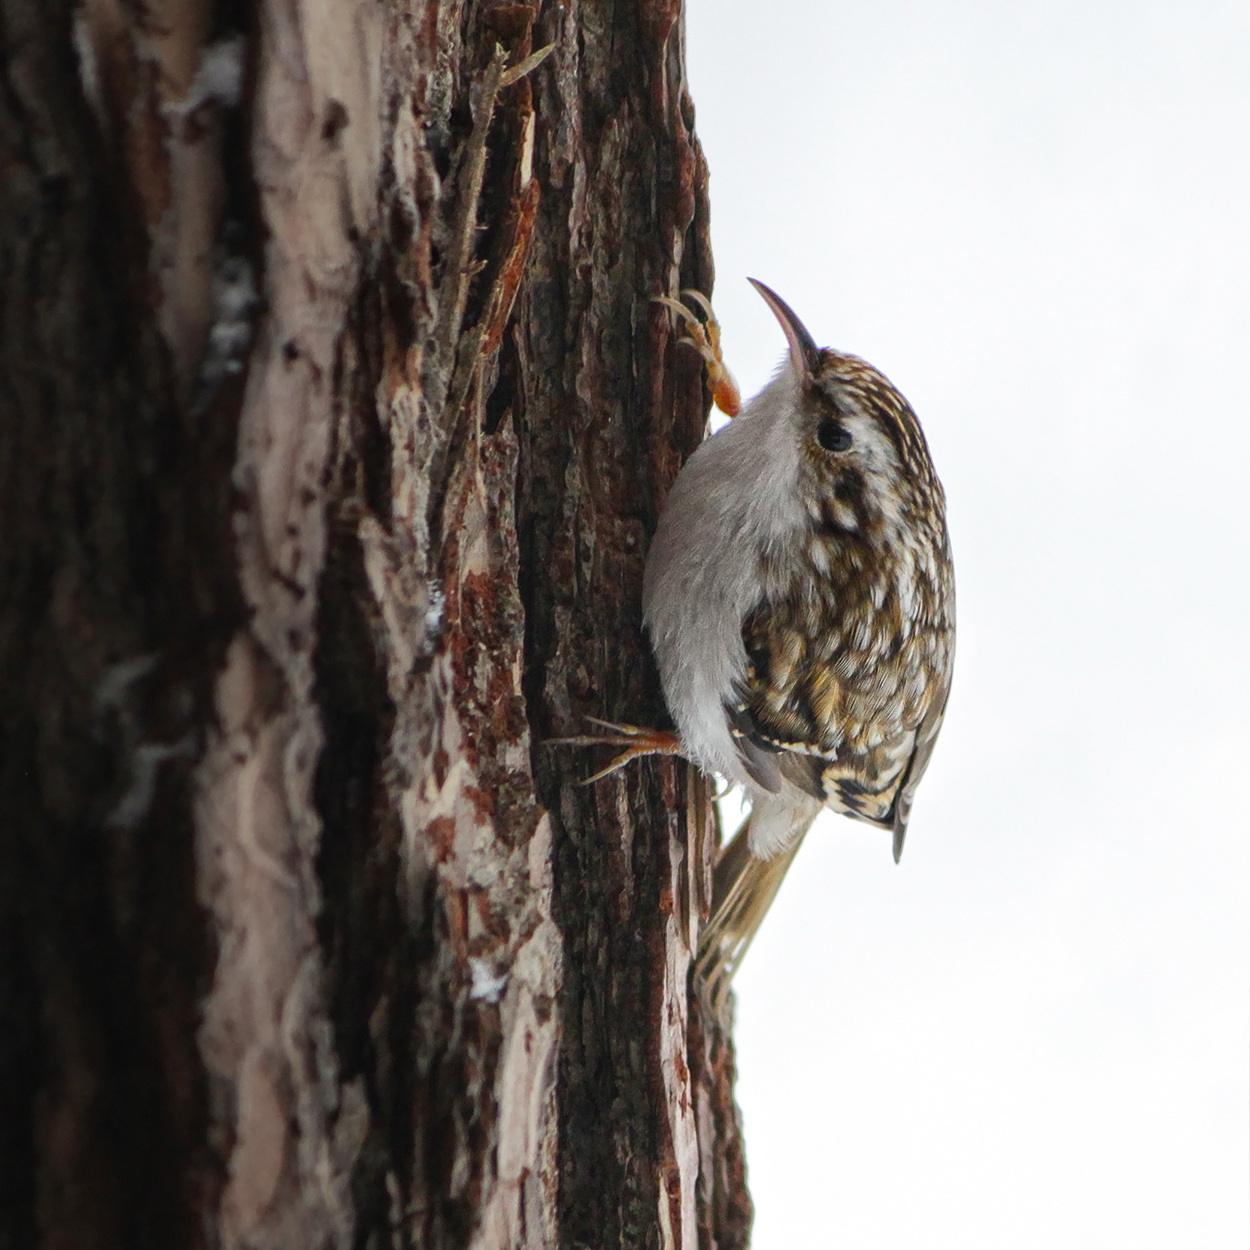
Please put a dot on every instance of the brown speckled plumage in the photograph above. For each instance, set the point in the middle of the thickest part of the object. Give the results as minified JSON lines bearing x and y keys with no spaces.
{"x":851,"y":646}
{"x":800,"y":600}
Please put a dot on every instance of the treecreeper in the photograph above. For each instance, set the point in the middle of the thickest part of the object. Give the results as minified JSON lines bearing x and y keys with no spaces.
{"x":800,"y":600}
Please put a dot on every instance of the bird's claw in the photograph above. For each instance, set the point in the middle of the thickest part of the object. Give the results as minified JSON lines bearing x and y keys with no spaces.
{"x":637,"y":741}
{"x":704,"y":337}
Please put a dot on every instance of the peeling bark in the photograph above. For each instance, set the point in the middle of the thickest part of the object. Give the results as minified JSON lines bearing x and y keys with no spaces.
{"x":336,"y":417}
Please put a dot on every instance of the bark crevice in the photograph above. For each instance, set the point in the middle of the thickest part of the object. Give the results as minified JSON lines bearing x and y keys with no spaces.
{"x":336,"y":417}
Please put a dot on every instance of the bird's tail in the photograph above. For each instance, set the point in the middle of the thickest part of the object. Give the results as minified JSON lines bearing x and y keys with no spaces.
{"x":743,"y":888}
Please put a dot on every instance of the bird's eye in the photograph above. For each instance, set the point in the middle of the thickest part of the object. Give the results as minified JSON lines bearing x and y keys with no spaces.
{"x":833,"y":435}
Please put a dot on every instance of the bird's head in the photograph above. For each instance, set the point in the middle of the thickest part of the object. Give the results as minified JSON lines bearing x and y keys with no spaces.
{"x":864,"y":466}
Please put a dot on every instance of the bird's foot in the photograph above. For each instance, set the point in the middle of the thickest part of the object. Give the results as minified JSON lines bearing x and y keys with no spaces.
{"x":704,"y":337}
{"x":636,"y":741}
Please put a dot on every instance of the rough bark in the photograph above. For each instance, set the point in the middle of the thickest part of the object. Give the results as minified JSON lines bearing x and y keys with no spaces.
{"x":336,"y":417}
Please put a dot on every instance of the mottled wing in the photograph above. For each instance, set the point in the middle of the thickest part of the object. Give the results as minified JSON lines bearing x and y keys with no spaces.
{"x":926,"y":738}
{"x":853,"y":730}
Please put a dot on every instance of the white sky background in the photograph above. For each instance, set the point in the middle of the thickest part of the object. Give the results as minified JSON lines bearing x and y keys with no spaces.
{"x":1035,"y":219}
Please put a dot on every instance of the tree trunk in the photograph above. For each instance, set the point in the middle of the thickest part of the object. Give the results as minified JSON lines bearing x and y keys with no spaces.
{"x":335,"y":418}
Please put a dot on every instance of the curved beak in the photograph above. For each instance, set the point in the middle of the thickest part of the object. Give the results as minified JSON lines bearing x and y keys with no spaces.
{"x":804,"y":354}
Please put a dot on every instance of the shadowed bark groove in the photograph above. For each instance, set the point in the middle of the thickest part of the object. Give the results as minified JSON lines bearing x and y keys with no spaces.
{"x":335,"y":418}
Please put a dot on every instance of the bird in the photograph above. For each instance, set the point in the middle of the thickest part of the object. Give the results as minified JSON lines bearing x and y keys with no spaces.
{"x":799,"y":596}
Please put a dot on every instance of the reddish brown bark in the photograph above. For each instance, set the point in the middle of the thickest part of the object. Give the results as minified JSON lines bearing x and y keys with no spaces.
{"x":336,"y":417}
